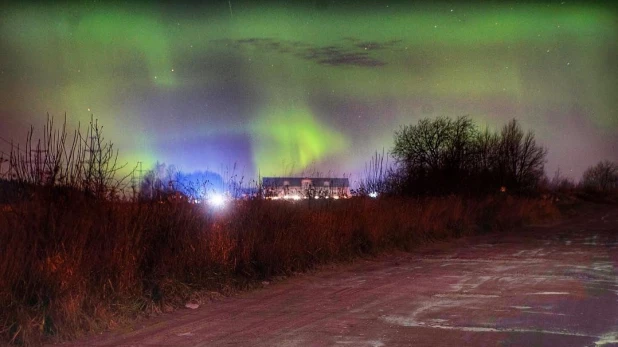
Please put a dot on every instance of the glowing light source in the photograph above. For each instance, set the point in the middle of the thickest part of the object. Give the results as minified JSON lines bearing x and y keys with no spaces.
{"x":373,"y":195}
{"x":217,"y":200}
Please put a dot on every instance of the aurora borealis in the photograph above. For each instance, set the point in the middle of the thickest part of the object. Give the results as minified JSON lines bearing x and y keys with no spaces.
{"x":279,"y":87}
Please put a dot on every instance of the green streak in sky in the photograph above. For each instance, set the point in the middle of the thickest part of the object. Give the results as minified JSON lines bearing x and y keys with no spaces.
{"x":115,"y":36}
{"x":290,"y":138}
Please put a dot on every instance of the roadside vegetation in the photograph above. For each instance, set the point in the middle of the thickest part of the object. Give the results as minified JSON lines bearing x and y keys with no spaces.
{"x":443,"y":156}
{"x":80,"y":251}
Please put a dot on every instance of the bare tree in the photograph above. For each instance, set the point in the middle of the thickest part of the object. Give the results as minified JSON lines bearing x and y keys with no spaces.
{"x":485,"y":152}
{"x":434,"y":156}
{"x":601,"y":177}
{"x":101,"y":163}
{"x":422,"y":146}
{"x":521,"y":161}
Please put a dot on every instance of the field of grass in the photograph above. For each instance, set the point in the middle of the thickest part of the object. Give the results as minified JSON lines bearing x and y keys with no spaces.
{"x":72,"y":265}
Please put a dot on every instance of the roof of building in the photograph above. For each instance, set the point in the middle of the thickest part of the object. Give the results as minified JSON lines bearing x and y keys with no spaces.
{"x":297,"y":181}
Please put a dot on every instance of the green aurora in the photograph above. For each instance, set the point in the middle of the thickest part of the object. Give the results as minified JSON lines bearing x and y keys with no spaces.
{"x":287,"y":87}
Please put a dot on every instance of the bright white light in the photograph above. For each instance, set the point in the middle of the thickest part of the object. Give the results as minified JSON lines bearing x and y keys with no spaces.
{"x":217,"y":200}
{"x":296,"y":197}
{"x":373,"y":195}
{"x":336,"y":197}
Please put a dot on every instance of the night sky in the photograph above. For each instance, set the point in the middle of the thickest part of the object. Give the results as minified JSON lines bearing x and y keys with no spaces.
{"x":280,"y":88}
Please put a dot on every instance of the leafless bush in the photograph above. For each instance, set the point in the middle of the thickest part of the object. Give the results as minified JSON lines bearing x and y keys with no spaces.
{"x":82,"y":162}
{"x":603,"y":177}
{"x":376,"y":176}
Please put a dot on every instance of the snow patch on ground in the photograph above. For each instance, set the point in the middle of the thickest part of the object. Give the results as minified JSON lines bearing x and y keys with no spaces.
{"x":529,"y":253}
{"x":548,"y":313}
{"x":470,"y":282}
{"x":464,"y":295}
{"x":483,"y":261}
{"x":603,"y":266}
{"x":408,"y":322}
{"x":606,"y":339}
{"x":355,"y":341}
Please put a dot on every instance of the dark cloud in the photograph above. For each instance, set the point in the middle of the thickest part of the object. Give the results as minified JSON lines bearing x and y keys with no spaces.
{"x":337,"y":58}
{"x":351,"y":52}
{"x":374,"y":45}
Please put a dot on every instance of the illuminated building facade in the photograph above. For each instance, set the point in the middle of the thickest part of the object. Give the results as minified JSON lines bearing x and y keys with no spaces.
{"x":296,"y":188}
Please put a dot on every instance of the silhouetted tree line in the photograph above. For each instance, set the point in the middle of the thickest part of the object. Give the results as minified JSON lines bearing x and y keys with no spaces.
{"x":452,"y":156}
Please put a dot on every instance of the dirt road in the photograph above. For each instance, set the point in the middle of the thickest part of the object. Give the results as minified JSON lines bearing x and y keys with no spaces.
{"x":539,"y":286}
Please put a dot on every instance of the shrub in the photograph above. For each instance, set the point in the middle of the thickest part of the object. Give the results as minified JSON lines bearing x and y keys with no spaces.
{"x":602,"y":177}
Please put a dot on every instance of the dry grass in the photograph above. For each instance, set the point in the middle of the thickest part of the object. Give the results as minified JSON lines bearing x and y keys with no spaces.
{"x":72,"y":265}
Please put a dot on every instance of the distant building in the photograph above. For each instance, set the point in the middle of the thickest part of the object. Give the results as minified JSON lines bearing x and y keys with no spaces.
{"x":305,"y":187}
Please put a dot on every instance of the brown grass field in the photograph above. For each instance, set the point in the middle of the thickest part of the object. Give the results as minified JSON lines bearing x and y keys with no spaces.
{"x":72,"y":265}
